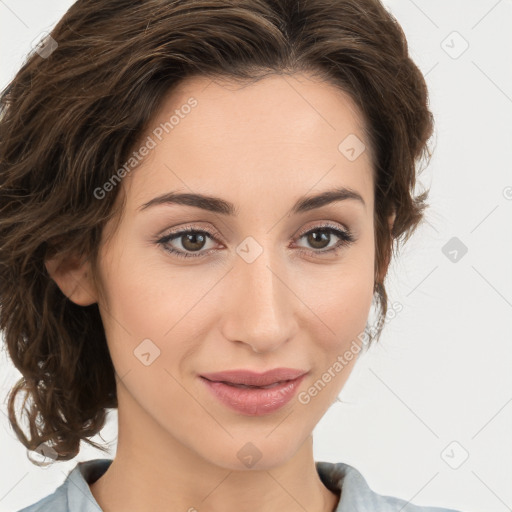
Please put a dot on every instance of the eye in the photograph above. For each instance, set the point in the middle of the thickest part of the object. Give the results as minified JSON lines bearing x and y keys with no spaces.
{"x":319,"y":235}
{"x":190,"y":240}
{"x":193,"y":241}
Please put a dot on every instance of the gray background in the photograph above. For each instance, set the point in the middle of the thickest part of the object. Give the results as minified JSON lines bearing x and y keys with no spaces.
{"x":427,"y":413}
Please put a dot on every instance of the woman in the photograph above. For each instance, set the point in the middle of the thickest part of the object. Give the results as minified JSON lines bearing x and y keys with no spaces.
{"x":199,"y":204}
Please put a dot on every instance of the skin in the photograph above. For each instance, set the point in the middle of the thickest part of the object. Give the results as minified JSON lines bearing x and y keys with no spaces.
{"x":261,"y":147}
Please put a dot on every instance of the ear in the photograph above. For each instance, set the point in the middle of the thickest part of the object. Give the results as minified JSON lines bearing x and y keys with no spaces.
{"x":74,"y":278}
{"x":384,"y":270}
{"x":391,"y":220}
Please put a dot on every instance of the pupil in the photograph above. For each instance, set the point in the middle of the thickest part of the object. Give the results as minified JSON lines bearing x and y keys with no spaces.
{"x":314,"y":239}
{"x":192,"y":237}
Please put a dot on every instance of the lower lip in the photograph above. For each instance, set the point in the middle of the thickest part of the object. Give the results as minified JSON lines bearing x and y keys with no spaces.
{"x":254,"y":401}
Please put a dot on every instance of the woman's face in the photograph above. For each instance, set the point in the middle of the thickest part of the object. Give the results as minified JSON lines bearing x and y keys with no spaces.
{"x":260,"y":288}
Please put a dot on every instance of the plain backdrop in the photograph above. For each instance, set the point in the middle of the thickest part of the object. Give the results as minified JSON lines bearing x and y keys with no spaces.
{"x":427,"y":413}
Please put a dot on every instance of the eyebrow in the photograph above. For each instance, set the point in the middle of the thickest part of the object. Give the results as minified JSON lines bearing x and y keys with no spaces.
{"x":223,"y":207}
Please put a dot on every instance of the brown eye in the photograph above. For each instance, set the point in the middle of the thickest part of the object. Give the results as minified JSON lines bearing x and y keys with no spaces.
{"x":191,"y":240}
{"x":319,"y":238}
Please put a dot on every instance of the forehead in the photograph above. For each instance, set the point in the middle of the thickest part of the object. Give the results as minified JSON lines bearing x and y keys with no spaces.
{"x":285,"y":132}
{"x":289,"y":106}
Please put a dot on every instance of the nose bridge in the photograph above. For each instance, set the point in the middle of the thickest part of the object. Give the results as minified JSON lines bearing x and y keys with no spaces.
{"x":261,"y":313}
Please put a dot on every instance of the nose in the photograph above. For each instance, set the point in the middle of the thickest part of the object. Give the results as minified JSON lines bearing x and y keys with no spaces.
{"x":259,"y":311}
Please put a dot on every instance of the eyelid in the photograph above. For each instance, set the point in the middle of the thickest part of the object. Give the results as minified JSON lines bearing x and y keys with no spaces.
{"x":215,"y":234}
{"x":344,"y":234}
{"x":212,"y":232}
{"x":322,"y":225}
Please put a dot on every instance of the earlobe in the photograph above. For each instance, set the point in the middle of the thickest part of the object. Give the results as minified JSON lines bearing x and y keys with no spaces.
{"x":74,"y":278}
{"x":391,"y":220}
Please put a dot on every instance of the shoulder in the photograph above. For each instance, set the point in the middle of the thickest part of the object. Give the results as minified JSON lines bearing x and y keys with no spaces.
{"x":357,"y":496}
{"x":74,"y":493}
{"x":56,"y":502}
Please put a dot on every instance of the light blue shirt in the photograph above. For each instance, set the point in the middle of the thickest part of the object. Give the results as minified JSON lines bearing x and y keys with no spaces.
{"x":74,"y":494}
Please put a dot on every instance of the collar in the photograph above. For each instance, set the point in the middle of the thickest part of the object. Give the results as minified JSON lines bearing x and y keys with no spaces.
{"x":356,"y":495}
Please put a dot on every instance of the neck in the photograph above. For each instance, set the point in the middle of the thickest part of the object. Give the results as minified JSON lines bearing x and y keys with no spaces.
{"x":155,"y":471}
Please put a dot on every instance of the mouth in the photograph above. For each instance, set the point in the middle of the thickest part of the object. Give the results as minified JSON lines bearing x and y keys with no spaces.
{"x":256,"y":398}
{"x":243,"y":378}
{"x":249,"y":386}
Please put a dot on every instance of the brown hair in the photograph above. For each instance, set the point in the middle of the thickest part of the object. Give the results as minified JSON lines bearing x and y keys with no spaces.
{"x":70,"y":118}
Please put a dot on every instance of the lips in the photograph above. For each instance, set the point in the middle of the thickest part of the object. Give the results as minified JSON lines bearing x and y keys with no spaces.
{"x":244,"y":386}
{"x":249,"y":378}
{"x":254,"y":394}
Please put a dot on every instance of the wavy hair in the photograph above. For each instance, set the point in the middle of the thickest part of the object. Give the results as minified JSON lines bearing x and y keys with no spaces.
{"x":74,"y":112}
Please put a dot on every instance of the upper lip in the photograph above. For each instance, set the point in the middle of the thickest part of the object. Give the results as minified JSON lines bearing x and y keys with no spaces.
{"x":251,"y":378}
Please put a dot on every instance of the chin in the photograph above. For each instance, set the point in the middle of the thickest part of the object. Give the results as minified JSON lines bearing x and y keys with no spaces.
{"x":258,"y":453}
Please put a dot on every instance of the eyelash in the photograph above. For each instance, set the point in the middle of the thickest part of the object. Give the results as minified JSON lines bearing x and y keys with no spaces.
{"x":346,"y":238}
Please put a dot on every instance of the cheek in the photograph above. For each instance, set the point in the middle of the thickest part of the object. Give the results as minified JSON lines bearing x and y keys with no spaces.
{"x":151,"y":299}
{"x":341,"y":306}
{"x":140,"y":304}
{"x":143,"y":289}
{"x":340,"y":296}
{"x":349,"y":302}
